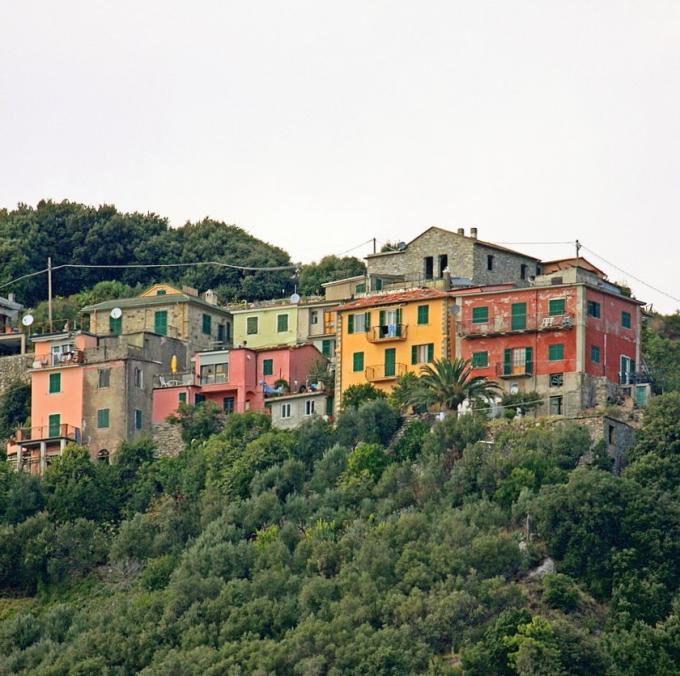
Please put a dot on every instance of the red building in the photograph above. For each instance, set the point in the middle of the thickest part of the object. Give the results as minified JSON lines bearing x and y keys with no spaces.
{"x":236,"y":380}
{"x":571,"y":336}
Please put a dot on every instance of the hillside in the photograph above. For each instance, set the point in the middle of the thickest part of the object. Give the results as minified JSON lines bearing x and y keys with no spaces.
{"x":320,"y":552}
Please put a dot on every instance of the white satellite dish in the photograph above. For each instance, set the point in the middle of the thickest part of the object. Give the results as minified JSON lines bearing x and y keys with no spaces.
{"x":116,"y":313}
{"x":295,"y":298}
{"x":27,"y":320}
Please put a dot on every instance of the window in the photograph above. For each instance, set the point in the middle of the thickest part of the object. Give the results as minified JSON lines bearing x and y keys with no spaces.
{"x":54,"y":424}
{"x":115,"y":326}
{"x":138,"y":419}
{"x":360,"y":288}
{"x":627,"y":370}
{"x":160,"y":322}
{"x":429,"y":267}
{"x":327,"y":348}
{"x":199,"y":399}
{"x":104,"y":378}
{"x":557,"y":306}
{"x":55,"y":383}
{"x":378,"y":284}
{"x":611,"y":434}
{"x":215,"y":373}
{"x":555,"y":405}
{"x":161,"y":292}
{"x":556,"y":352}
{"x":281,"y":323}
{"x":480,"y":315}
{"x":207,"y":324}
{"x":139,"y":378}
{"x":359,"y":323}
{"x":182,"y":397}
{"x":314,"y":317}
{"x":480,"y":360}
{"x":523,"y":269}
{"x":285,"y":410}
{"x":102,"y":418}
{"x":595,"y":354}
{"x":103,"y":456}
{"x":220,"y":333}
{"x":309,"y":407}
{"x":252,"y":326}
{"x":443,"y":264}
{"x":518,"y":361}
{"x":358,"y":362}
{"x":422,"y":354}
{"x":489,"y":262}
{"x":228,"y":405}
{"x":556,"y":379}
{"x":423,"y":314}
{"x":268,"y":367}
{"x":518,"y":320}
{"x":626,"y":320}
{"x":594,"y":309}
{"x":390,"y":362}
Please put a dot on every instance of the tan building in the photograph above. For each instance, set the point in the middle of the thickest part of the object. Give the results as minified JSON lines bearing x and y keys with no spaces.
{"x":166,"y":311}
{"x":292,"y":410}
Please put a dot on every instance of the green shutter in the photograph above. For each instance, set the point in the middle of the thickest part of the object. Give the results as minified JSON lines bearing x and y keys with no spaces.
{"x":382,"y":318}
{"x":138,"y":419}
{"x":390,"y":362}
{"x":399,"y":316}
{"x":423,"y":314}
{"x":182,"y":397}
{"x":358,"y":361}
{"x":529,"y":360}
{"x":480,"y":359}
{"x":282,"y":323}
{"x":367,"y":321}
{"x":595,"y":354}
{"x":507,"y":362}
{"x":160,"y":322}
{"x":268,"y":367}
{"x":54,"y":425}
{"x":116,"y":326}
{"x":350,"y":323}
{"x":102,"y":418}
{"x":519,"y":316}
{"x":326,"y":348}
{"x":55,"y":383}
{"x":414,"y":354}
{"x":556,"y":352}
{"x":557,"y":306}
{"x":626,"y":320}
{"x":207,"y":324}
{"x":430,"y":352}
{"x":480,"y":315}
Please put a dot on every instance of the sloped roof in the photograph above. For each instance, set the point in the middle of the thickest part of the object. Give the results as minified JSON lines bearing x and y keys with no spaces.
{"x":481,"y":242}
{"x":145,"y":301}
{"x":394,"y":298}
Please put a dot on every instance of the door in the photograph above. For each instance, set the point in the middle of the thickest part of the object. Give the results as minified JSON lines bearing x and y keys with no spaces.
{"x":54,"y":425}
{"x":519,"y":316}
{"x":390,"y":362}
{"x":160,"y":322}
{"x":627,"y":370}
{"x":229,"y":405}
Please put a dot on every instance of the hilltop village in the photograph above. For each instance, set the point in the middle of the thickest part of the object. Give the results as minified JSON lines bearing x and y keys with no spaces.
{"x":558,"y":329}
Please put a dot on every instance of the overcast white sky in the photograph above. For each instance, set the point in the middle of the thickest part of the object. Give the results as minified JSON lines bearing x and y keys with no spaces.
{"x":317,"y":125}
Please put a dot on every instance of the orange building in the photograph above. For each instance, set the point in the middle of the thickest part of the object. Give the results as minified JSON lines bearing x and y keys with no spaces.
{"x":384,"y":336}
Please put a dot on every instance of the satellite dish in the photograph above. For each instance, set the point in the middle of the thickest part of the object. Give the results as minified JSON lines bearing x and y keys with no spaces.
{"x":27,"y":320}
{"x":116,"y":313}
{"x":295,"y":298}
{"x":455,"y":308}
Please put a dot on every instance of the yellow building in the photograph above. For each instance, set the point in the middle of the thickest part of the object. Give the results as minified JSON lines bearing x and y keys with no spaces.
{"x":384,"y":336}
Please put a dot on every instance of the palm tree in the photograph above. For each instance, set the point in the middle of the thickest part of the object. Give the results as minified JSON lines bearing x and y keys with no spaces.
{"x":448,"y":383}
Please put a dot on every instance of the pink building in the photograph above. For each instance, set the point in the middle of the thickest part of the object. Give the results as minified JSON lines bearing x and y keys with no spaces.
{"x":236,"y":380}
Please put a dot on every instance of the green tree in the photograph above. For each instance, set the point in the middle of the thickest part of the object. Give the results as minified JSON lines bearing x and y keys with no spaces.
{"x":328,"y":269}
{"x":355,"y":395}
{"x":15,"y":408}
{"x":447,"y":383}
{"x":198,"y":422}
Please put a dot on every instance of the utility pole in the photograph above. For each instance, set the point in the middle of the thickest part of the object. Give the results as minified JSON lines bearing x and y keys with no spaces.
{"x":374,"y":246}
{"x":578,"y":250}
{"x":49,"y":291}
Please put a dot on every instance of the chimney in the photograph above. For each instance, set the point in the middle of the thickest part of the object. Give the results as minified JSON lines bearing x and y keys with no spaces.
{"x":473,"y":233}
{"x":461,"y":231}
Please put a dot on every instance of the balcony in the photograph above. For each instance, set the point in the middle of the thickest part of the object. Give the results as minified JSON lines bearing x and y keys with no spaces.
{"x":515,"y":370}
{"x":634,"y":378}
{"x":387,"y":333}
{"x":182,"y":379}
{"x":500,"y":325}
{"x":63,"y":359}
{"x":384,"y":372}
{"x":27,"y":435}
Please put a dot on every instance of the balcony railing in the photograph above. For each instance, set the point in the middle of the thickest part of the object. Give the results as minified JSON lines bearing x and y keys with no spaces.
{"x":174,"y":379}
{"x":501,"y":324}
{"x":515,"y":370}
{"x":45,"y":432}
{"x":214,"y":378}
{"x":63,"y":359}
{"x":388,"y":332}
{"x":384,"y":372}
{"x":634,"y":378}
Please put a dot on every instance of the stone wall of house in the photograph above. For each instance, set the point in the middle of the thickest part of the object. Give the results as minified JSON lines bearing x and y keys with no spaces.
{"x":167,"y":438}
{"x":507,"y":266}
{"x":14,"y":367}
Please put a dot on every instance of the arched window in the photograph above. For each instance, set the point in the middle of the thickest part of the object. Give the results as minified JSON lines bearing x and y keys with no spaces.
{"x":103,"y":456}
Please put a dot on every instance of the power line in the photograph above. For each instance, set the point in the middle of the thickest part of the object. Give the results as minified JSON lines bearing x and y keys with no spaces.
{"x":628,"y":274}
{"x":368,"y":241}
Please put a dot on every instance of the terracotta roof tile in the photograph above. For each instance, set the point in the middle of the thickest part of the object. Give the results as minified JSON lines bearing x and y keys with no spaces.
{"x":393,"y":298}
